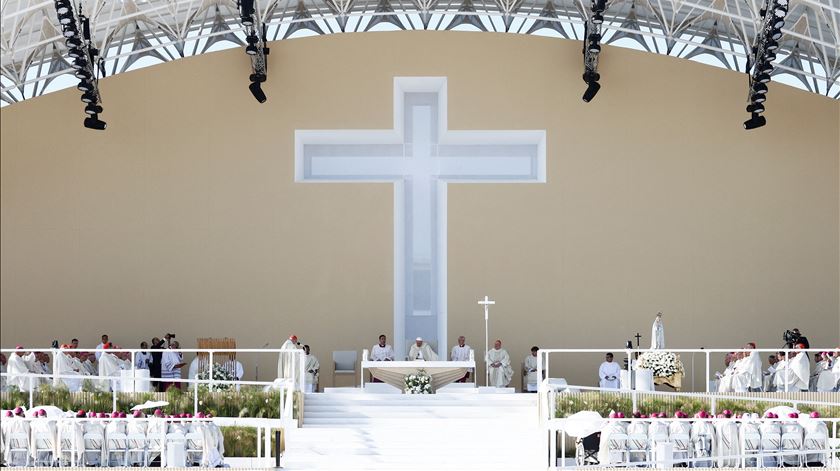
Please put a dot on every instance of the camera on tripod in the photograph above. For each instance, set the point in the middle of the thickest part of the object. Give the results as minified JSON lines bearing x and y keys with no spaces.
{"x":791,"y":337}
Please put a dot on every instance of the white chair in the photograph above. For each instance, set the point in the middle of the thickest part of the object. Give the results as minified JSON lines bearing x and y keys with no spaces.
{"x":638,"y":444}
{"x":195,"y":448}
{"x":617,"y":446}
{"x":44,"y":447}
{"x":344,"y":363}
{"x":135,"y":452}
{"x":792,"y":442}
{"x":18,"y":447}
{"x":771,"y":441}
{"x":682,"y":447}
{"x":176,"y":449}
{"x":93,"y":448}
{"x":816,"y":441}
{"x":750,"y":444}
{"x":117,"y":445}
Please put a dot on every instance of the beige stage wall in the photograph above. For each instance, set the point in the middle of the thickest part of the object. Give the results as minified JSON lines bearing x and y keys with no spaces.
{"x":183,"y":216}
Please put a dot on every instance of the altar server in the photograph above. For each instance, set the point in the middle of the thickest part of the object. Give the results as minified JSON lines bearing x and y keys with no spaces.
{"x":529,"y":366}
{"x":382,"y":351}
{"x":498,"y":365}
{"x":461,"y":352}
{"x":312,"y":366}
{"x":608,"y":373}
{"x":421,"y":351}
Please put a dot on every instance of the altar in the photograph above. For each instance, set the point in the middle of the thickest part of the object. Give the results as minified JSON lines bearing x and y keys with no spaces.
{"x":394,"y":372}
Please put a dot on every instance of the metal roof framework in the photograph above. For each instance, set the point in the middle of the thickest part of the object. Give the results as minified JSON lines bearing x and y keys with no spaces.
{"x":136,"y":33}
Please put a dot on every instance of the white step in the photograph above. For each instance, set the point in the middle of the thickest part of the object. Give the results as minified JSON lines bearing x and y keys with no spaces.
{"x":380,"y":430}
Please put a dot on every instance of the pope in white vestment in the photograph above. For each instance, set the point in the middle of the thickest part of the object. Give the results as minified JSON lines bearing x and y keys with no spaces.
{"x":609,"y":373}
{"x":498,"y":365}
{"x":421,"y":351}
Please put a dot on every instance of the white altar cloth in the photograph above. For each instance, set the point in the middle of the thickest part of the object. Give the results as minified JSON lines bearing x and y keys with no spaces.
{"x":139,"y":384}
{"x":394,"y":372}
{"x":644,"y":380}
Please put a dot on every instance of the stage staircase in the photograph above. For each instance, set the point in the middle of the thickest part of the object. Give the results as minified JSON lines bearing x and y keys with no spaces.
{"x":463,"y":431}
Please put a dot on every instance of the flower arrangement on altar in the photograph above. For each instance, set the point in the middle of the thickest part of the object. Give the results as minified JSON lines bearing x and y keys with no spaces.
{"x":418,"y":383}
{"x":219,"y":374}
{"x":664,"y":364}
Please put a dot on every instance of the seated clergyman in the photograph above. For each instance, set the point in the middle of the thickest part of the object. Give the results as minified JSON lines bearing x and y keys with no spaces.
{"x":498,"y":365}
{"x":421,"y":351}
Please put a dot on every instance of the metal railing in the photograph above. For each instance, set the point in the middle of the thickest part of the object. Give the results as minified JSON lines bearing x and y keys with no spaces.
{"x":288,"y":385}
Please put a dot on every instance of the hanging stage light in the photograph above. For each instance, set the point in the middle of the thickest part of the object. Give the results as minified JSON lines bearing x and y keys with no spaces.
{"x":93,"y":122}
{"x":760,"y":62}
{"x":255,"y":36}
{"x":592,"y":49}
{"x":84,"y":58}
{"x":756,"y":121}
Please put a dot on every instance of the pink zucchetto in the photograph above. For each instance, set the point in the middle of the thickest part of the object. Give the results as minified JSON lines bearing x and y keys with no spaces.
{"x":619,"y":415}
{"x":613,"y":415}
{"x":81,"y":414}
{"x":18,"y":410}
{"x":637,"y":414}
{"x":727,"y":413}
{"x":91,"y":414}
{"x":137,"y":414}
{"x":8,"y":414}
{"x":101,"y":415}
{"x":200,"y":415}
{"x":815,"y":415}
{"x":793,"y":415}
{"x":158,"y":413}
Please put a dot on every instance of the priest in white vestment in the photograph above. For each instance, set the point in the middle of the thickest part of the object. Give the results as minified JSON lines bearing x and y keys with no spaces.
{"x":609,"y":373}
{"x":65,"y":365}
{"x":382,"y":351}
{"x":421,"y":351}
{"x":498,"y":366}
{"x":311,"y":367}
{"x":793,"y":373}
{"x":286,"y":363}
{"x":111,"y":365}
{"x":19,"y":365}
{"x":529,"y":367}
{"x":461,"y":352}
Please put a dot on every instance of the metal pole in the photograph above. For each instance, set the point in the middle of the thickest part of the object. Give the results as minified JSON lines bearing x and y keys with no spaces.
{"x":54,"y":379}
{"x":486,"y":346}
{"x":259,"y":442}
{"x":708,"y":368}
{"x":212,"y":386}
{"x":133,"y":373}
{"x":195,"y":398}
{"x":787,"y":361}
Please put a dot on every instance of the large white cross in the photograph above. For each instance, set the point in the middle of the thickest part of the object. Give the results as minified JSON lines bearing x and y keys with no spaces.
{"x":420,"y":156}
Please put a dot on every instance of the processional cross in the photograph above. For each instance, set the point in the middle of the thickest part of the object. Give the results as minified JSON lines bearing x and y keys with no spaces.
{"x":420,"y":156}
{"x":638,"y":339}
{"x":486,"y":302}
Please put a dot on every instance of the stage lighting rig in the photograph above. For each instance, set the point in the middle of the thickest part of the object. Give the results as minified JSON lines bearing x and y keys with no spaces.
{"x":763,"y":53}
{"x":592,"y":49}
{"x":85,"y":59}
{"x":255,"y":36}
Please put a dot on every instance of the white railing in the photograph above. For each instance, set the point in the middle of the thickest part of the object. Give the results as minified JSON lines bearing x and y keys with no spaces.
{"x":288,"y":385}
{"x":829,"y":450}
{"x":544,"y":356}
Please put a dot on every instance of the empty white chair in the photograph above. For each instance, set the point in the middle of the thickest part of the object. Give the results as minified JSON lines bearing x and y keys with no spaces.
{"x":176,"y":449}
{"x":771,"y":442}
{"x":792,"y":441}
{"x":195,"y":448}
{"x":94,"y":448}
{"x":344,"y":362}
{"x":750,"y":444}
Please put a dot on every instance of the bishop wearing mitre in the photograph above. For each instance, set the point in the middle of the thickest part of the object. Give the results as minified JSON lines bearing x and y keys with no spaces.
{"x":421,"y":351}
{"x":286,"y":360}
{"x":498,"y":364}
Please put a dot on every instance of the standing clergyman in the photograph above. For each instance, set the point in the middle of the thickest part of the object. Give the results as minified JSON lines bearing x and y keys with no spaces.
{"x":312,"y":366}
{"x":498,"y":364}
{"x":608,"y":373}
{"x":286,"y":360}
